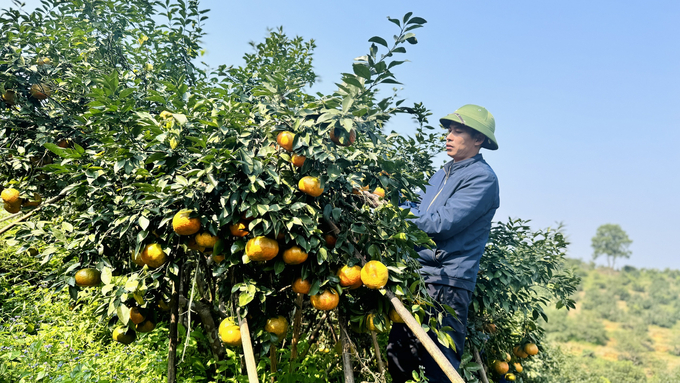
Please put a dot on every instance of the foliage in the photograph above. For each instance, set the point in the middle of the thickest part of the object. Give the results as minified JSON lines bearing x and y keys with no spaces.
{"x":612,"y":241}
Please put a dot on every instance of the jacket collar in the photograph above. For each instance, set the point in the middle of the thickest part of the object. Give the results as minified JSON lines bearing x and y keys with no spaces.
{"x":452,"y":166}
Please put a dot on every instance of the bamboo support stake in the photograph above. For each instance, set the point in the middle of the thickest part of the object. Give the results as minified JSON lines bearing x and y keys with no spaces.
{"x":378,"y":356}
{"x":247,"y":345}
{"x":413,"y":325}
{"x":346,"y":360}
{"x":478,"y":359}
{"x":174,"y":319}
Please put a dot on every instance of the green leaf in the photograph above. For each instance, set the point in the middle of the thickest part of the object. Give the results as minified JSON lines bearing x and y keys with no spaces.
{"x":143,"y":222}
{"x":378,"y":40}
{"x":417,"y":20}
{"x":106,"y":275}
{"x":362,"y":70}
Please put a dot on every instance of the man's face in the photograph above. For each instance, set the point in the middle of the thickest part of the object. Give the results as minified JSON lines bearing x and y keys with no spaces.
{"x":460,"y":145}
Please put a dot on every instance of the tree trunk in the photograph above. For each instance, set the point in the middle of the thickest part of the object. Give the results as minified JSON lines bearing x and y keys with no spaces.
{"x":174,"y":319}
{"x":346,"y":360}
{"x":297,"y":327}
{"x":378,"y":356}
{"x":204,"y":312}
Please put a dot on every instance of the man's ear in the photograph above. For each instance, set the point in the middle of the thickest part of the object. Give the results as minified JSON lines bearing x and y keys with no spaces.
{"x":479,"y":140}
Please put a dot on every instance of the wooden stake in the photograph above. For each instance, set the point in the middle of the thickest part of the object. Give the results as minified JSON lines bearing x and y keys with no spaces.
{"x":174,"y":319}
{"x":346,"y":360}
{"x":247,"y":344}
{"x":378,"y":356}
{"x":272,"y":359}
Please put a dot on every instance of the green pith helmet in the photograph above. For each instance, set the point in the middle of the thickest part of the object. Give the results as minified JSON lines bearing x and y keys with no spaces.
{"x":475,"y":117}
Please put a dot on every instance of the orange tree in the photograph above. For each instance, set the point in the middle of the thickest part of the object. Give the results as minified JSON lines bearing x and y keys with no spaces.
{"x":166,"y":181}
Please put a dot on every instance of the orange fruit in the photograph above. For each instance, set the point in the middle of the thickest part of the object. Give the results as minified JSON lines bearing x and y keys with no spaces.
{"x":374,"y":275}
{"x":507,"y":357}
{"x":490,"y":328}
{"x":531,"y":349}
{"x":350,"y":276}
{"x":500,"y":367}
{"x":136,"y":316}
{"x":298,"y":160}
{"x":217,"y":258}
{"x":327,"y":300}
{"x":239,"y":229}
{"x":339,"y":139}
{"x":380,"y":192}
{"x":153,"y":255}
{"x":12,"y":208}
{"x":206,"y":240}
{"x":146,"y":326}
{"x":510,"y":377}
{"x":262,"y":248}
{"x":230,"y":333}
{"x":40,"y":91}
{"x":137,"y":259}
{"x":285,"y":139}
{"x":518,"y":367}
{"x":294,"y":256}
{"x":191,"y":243}
{"x":124,"y":335}
{"x":395,"y":317}
{"x":519,"y":352}
{"x":358,"y":191}
{"x":164,"y":306}
{"x":278,"y":326}
{"x":310,"y":185}
{"x":9,"y":97}
{"x":371,"y":327}
{"x":183,"y":224}
{"x":330,"y":240}
{"x":10,"y":195}
{"x":88,"y":277}
{"x":302,"y":286}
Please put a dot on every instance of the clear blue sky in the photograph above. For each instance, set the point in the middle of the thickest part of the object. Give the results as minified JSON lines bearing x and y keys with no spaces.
{"x":586,"y":96}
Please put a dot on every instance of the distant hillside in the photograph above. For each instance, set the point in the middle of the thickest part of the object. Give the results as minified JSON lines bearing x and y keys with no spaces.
{"x":625,"y":327}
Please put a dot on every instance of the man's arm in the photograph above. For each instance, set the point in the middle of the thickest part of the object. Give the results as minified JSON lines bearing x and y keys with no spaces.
{"x":467,"y":204}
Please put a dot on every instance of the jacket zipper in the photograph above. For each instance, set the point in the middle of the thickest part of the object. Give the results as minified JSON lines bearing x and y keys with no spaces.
{"x":436,"y":253}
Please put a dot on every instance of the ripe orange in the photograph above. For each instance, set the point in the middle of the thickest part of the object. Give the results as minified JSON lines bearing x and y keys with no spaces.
{"x":230,"y":333}
{"x":380,"y":192}
{"x":302,"y":286}
{"x":330,"y":240}
{"x":340,"y":138}
{"x":310,"y":185}
{"x":217,"y":258}
{"x":350,"y":276}
{"x":510,"y":377}
{"x":137,"y":259}
{"x":136,"y":315}
{"x":40,"y":91}
{"x":239,"y":229}
{"x":374,"y":275}
{"x":285,"y":139}
{"x":519,"y":352}
{"x":518,"y":367}
{"x":327,"y":300}
{"x":490,"y":328}
{"x":298,"y":160}
{"x":124,"y":335}
{"x":531,"y":349}
{"x":183,"y":224}
{"x":278,"y":326}
{"x":88,"y":277}
{"x":294,"y":256}
{"x":191,"y":243}
{"x":206,"y":240}
{"x":395,"y":317}
{"x":153,"y":255}
{"x":500,"y":367}
{"x":146,"y":326}
{"x":262,"y":248}
{"x":10,"y":195}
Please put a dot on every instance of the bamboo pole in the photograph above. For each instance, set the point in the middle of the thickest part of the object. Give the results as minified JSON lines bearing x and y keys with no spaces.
{"x":413,"y":325}
{"x":272,"y":359}
{"x":247,"y":345}
{"x":174,"y":319}
{"x":346,"y":360}
{"x":378,"y":356}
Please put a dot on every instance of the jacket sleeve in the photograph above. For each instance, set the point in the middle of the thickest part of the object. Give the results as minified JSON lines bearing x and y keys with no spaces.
{"x":473,"y":199}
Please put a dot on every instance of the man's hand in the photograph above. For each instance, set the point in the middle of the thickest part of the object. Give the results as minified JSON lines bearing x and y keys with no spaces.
{"x":373,"y":200}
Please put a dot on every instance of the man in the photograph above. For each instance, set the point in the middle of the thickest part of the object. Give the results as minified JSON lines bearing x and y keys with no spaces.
{"x":455,"y":209}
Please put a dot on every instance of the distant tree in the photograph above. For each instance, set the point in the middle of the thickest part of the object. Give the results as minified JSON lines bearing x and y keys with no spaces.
{"x":611,"y":240}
